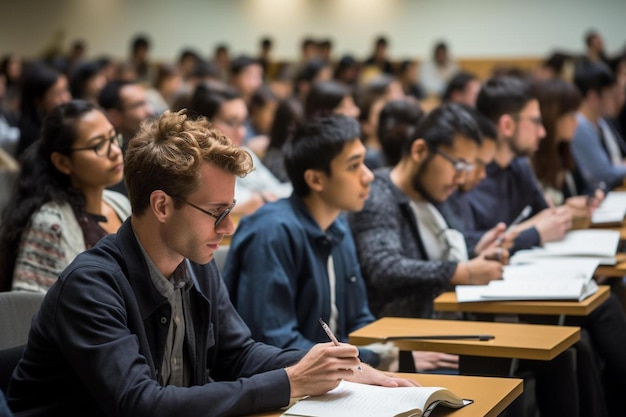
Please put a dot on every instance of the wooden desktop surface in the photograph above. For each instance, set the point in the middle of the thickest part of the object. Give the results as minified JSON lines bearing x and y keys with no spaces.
{"x":447,"y":302}
{"x":491,"y":395}
{"x":512,"y":340}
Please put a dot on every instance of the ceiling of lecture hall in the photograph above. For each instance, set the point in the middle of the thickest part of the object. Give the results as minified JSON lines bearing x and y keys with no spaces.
{"x":472,"y":28}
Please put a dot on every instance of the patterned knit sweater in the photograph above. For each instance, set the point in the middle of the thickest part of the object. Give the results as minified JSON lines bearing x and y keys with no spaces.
{"x":401,"y":281}
{"x":52,"y":240}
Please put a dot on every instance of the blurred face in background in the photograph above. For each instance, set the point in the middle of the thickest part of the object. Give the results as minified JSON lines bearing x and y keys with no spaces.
{"x":231,"y":120}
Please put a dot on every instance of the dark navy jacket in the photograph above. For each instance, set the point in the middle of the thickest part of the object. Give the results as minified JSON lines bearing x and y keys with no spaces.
{"x":501,"y":197}
{"x":97,"y":343}
{"x":276,"y":271}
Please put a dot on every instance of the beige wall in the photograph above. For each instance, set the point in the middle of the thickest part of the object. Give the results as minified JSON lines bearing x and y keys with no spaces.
{"x":473,"y":28}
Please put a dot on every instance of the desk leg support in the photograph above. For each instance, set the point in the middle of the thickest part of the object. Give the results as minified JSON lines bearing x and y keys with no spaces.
{"x":561,"y":319}
{"x":513,"y":367}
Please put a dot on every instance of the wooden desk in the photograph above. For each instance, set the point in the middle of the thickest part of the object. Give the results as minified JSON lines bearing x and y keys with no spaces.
{"x":447,"y":302}
{"x":512,"y":340}
{"x":491,"y":395}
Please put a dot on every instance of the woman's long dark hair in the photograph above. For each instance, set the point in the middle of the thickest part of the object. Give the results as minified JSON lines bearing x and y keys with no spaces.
{"x":556,"y":97}
{"x":39,"y":182}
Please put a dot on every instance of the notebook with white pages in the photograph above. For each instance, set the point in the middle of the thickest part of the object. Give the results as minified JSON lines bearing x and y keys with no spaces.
{"x":612,"y":210}
{"x":546,"y":279}
{"x":351,"y":399}
{"x":589,"y":243}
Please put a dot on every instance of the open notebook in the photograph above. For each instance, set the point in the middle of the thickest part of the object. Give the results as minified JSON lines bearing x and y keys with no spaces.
{"x":612,"y":210}
{"x":351,"y":399}
{"x":588,"y":243}
{"x":545,"y":279}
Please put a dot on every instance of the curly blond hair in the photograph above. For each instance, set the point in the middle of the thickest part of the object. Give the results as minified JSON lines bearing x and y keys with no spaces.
{"x":167,"y":155}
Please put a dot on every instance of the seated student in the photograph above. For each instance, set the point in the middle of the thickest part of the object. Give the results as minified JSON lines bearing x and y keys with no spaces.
{"x":371,"y":98}
{"x":228,"y":113}
{"x":288,"y":115}
{"x":42,"y":89}
{"x":454,"y":209}
{"x":510,"y":185}
{"x":553,"y":162}
{"x":407,"y":252}
{"x":293,"y":261}
{"x":327,"y":97}
{"x":462,"y":88}
{"x":141,"y":325}
{"x":397,"y":122}
{"x":598,"y":148}
{"x":60,"y":206}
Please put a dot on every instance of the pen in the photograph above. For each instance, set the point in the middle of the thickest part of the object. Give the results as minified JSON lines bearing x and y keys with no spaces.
{"x":480,"y":337}
{"x":592,"y":194}
{"x":331,"y":336}
{"x":520,"y":217}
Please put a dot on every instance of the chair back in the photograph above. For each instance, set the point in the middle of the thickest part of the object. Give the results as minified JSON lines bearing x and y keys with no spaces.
{"x":17,"y":309}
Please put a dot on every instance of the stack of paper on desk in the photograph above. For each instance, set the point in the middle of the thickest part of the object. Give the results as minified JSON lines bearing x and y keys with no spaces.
{"x":545,"y":279}
{"x":612,"y":210}
{"x":589,"y":243}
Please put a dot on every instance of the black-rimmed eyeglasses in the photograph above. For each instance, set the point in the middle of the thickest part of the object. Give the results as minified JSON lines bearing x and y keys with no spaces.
{"x":460,"y":166}
{"x":103,"y":147}
{"x":218,"y":217}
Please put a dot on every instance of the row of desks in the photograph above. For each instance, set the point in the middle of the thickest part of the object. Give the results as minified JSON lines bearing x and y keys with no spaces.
{"x":516,"y":341}
{"x":511,"y":340}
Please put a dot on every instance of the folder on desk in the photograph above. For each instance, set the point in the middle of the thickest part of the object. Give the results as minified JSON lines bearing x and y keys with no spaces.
{"x":589,"y":243}
{"x":546,"y":279}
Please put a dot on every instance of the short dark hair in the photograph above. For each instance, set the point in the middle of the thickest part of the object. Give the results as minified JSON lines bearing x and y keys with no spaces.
{"x":442,"y":124}
{"x":79,"y":77}
{"x":589,"y":35}
{"x":381,"y":41}
{"x":323,"y":97}
{"x":240,"y":63}
{"x":266,"y":42}
{"x":315,"y":144}
{"x":140,"y":41}
{"x":397,"y":122}
{"x":502,"y":95}
{"x":593,"y":76}
{"x":109,"y":97}
{"x":207,"y":100}
{"x":458,"y":82}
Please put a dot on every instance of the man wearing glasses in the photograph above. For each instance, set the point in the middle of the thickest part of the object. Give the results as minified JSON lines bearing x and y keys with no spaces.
{"x":142,"y":325}
{"x":408,"y":254}
{"x":511,"y":184}
{"x":509,"y":187}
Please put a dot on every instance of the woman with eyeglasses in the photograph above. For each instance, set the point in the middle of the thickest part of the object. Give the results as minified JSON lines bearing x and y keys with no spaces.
{"x":60,"y":205}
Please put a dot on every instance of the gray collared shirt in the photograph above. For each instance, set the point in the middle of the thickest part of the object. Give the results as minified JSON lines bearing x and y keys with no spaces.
{"x":173,"y":368}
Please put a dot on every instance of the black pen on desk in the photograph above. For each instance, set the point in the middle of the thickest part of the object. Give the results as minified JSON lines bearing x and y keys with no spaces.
{"x":520,"y":218}
{"x":331,"y":336}
{"x":480,"y":337}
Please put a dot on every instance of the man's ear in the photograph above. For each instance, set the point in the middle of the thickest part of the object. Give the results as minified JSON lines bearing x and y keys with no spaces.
{"x":314,"y":179}
{"x":61,"y":162}
{"x":419,"y":150}
{"x":506,"y":125}
{"x":160,"y":205}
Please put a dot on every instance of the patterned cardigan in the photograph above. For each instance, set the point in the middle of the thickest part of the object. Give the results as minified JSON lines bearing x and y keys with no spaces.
{"x":401,"y":281}
{"x":51,"y":242}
